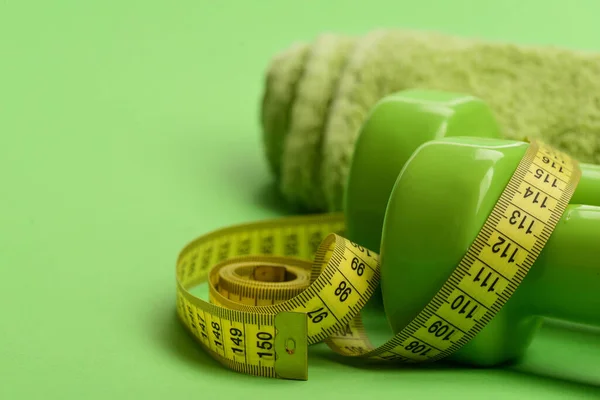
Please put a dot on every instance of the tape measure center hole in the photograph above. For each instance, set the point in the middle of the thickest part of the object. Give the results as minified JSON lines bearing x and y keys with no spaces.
{"x":272,"y":273}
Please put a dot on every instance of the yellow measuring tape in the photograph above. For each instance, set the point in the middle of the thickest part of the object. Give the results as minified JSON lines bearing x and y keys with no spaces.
{"x":269,"y":301}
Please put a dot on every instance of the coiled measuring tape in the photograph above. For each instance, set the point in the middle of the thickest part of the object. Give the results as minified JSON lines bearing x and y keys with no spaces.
{"x":269,"y":301}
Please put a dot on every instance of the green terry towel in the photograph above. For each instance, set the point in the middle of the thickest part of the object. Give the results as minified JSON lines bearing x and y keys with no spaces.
{"x":318,"y":94}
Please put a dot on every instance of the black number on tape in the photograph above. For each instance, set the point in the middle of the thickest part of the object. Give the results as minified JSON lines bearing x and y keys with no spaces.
{"x":522,"y":222}
{"x":206,"y":259}
{"x":317,"y":315}
{"x":417,"y":347}
{"x":505,"y":249}
{"x":346,"y":331}
{"x":458,"y":302}
{"x":553,"y":164}
{"x":237,"y":339}
{"x":547,"y":178}
{"x":268,"y":245}
{"x":223,"y":251}
{"x":537,"y":198}
{"x":264,"y":343}
{"x":361,"y":249}
{"x":355,"y":349}
{"x":358,"y":266}
{"x":440,"y":329}
{"x":202,"y":325}
{"x":217,"y":333}
{"x":485,"y":282}
{"x":343,"y":291}
{"x":244,"y":247}
{"x":291,"y":245}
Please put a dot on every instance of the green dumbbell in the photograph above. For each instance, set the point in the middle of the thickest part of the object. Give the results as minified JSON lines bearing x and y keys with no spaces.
{"x":438,"y":205}
{"x":442,"y":190}
{"x":396,"y":126}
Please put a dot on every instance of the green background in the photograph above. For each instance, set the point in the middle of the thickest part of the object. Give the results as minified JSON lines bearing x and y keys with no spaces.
{"x":128,"y":128}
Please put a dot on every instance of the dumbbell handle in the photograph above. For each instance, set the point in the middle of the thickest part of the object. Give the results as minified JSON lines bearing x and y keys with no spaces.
{"x":588,"y":189}
{"x":564,"y":282}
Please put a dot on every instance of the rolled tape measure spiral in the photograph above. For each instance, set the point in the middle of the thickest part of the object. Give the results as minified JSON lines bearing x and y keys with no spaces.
{"x":269,"y":301}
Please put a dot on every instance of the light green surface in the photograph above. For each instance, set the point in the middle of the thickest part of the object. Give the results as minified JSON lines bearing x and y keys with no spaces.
{"x":129,"y":128}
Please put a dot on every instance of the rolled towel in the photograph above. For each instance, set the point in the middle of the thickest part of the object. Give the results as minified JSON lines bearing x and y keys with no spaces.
{"x":282,"y":77}
{"x":543,"y":92}
{"x":301,"y":163}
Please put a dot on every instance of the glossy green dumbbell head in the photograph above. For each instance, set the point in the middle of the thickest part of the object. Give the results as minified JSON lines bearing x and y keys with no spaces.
{"x":393,"y":130}
{"x":438,"y":204}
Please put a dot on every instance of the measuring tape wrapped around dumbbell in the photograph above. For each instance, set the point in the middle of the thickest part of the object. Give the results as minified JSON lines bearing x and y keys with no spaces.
{"x":278,"y":286}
